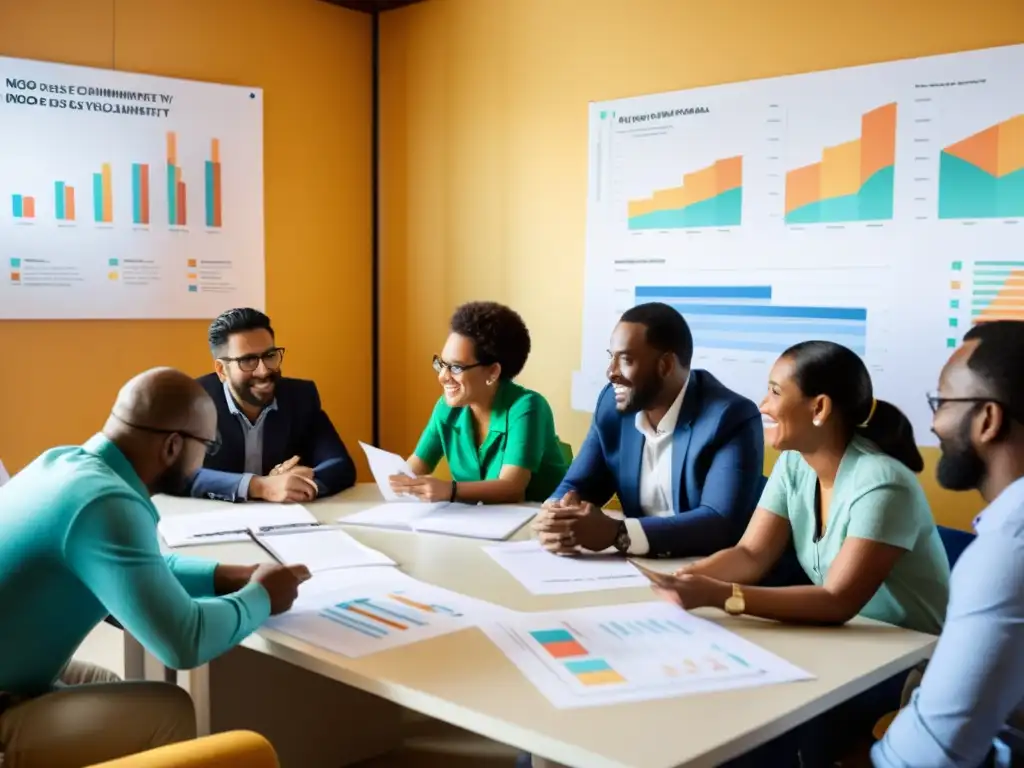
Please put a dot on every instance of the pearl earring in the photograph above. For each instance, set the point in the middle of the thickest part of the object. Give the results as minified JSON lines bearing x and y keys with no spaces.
{"x":490,"y":382}
{"x":817,"y":423}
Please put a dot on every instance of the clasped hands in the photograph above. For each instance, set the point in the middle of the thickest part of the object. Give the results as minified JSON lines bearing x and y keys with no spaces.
{"x":567,"y":525}
{"x":289,"y":481}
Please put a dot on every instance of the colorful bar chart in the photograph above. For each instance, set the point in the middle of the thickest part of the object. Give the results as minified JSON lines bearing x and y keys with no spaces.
{"x":623,"y":629}
{"x":213,"y":186}
{"x":853,"y":181}
{"x":594,"y":672}
{"x":63,"y":201}
{"x":744,"y":318}
{"x":709,"y":197}
{"x":103,"y":195}
{"x":559,"y":643}
{"x":982,"y":176}
{"x":997,"y":291}
{"x":23,"y":207}
{"x":140,"y":193}
{"x":385,"y":615}
{"x":177,"y":197}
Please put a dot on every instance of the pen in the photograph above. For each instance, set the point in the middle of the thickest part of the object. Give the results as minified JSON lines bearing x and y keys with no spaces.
{"x":264,"y":547}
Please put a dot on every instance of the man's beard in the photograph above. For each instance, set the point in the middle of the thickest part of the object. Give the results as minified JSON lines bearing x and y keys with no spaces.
{"x":643,"y":396}
{"x":173,"y":482}
{"x":960,"y":467}
{"x":248,"y":396}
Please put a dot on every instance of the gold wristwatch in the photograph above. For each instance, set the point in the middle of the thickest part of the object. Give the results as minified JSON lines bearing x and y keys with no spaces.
{"x":736,"y":605}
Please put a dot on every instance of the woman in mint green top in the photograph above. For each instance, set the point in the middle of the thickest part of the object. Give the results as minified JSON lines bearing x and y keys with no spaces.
{"x":498,"y":437}
{"x":844,"y":492}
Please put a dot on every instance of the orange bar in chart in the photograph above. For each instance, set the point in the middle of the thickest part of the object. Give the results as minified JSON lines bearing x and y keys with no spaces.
{"x":803,"y":186}
{"x":29,"y":207}
{"x":69,"y":203}
{"x":108,"y":193}
{"x":412,"y":603}
{"x":172,"y":148}
{"x":374,"y":617}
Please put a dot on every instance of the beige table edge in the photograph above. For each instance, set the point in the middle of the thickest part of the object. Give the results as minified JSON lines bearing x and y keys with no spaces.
{"x":908,"y":648}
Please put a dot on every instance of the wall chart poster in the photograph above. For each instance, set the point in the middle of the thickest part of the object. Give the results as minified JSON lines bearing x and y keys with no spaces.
{"x":127,"y":196}
{"x":880,"y":207}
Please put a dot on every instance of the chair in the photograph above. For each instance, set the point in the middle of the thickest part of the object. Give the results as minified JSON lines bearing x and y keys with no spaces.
{"x":954,"y":541}
{"x":566,"y":451}
{"x":232,"y":749}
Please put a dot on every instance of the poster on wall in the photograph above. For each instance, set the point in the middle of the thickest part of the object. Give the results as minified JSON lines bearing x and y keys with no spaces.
{"x":126,"y":196}
{"x":880,"y":207}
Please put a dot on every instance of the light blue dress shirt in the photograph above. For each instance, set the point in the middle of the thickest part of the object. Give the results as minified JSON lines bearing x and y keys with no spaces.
{"x":974,"y":683}
{"x":253,"y":441}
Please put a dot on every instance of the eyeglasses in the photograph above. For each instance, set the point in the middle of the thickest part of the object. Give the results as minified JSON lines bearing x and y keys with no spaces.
{"x":935,"y":402}
{"x":455,"y":369}
{"x":271,"y":360}
{"x":212,"y":446}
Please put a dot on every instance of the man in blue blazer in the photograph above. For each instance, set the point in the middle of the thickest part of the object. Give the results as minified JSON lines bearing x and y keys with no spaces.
{"x":277,"y":444}
{"x":683,"y":453}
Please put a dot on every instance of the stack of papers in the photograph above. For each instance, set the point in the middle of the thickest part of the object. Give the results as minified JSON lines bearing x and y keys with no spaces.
{"x":321,"y":549}
{"x":543,"y":573}
{"x":476,"y":521}
{"x":232,"y":524}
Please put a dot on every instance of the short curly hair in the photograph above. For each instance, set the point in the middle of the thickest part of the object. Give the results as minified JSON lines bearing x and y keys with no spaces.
{"x":498,"y":333}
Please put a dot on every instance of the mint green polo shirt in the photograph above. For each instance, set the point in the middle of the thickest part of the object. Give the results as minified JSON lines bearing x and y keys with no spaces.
{"x":78,"y":541}
{"x":521,"y":434}
{"x":875,"y":497}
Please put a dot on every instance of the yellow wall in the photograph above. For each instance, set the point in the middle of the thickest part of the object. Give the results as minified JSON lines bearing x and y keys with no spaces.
{"x":313,"y":62}
{"x":484,"y":140}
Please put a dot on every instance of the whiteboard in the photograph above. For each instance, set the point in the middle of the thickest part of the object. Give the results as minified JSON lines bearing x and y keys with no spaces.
{"x":881,"y":207}
{"x":126,"y":196}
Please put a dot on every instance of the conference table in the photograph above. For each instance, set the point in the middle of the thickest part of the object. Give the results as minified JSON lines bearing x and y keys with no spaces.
{"x":322,"y":708}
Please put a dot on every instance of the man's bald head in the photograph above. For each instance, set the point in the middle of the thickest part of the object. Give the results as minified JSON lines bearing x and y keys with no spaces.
{"x":156,"y":416}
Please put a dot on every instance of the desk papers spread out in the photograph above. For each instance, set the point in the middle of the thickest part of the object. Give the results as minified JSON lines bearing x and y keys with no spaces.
{"x":231,"y":523}
{"x":543,"y":573}
{"x":495,"y":522}
{"x":359,"y":611}
{"x":321,"y":549}
{"x":591,"y":657}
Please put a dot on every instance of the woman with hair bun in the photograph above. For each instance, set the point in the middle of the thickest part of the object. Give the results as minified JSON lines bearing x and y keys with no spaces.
{"x":498,"y":437}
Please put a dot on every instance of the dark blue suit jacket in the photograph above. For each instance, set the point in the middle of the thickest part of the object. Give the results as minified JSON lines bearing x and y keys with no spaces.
{"x":299,"y":427}
{"x":717,"y":466}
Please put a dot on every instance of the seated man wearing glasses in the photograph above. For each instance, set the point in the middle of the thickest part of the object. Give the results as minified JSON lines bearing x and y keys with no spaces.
{"x":277,"y":444}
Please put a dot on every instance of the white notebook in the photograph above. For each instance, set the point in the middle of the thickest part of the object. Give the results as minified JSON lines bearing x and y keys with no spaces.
{"x":322,"y":548}
{"x":231,"y":524}
{"x":495,"y":522}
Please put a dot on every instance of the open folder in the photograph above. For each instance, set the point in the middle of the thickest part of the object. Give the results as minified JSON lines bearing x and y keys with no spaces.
{"x":477,"y":521}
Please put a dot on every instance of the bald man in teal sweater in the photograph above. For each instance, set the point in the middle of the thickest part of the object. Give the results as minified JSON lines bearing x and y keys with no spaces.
{"x":78,"y":542}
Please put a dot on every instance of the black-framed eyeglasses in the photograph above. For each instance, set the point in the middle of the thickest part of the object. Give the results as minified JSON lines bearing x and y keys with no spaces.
{"x":271,"y":360}
{"x":454,"y":368}
{"x":212,"y":446}
{"x":936,"y":401}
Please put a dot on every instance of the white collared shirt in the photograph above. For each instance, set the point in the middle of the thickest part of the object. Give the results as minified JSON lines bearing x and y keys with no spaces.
{"x":655,"y":472}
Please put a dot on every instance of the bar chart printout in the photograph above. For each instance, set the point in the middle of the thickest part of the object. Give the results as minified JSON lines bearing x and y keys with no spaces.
{"x":853,"y":181}
{"x":709,"y":197}
{"x":611,"y":654}
{"x":103,"y":195}
{"x":997,"y":291}
{"x":356,"y":616}
{"x":23,"y":207}
{"x":63,"y":201}
{"x":745,"y":318}
{"x":982,"y":176}
{"x":213,"y":186}
{"x":177,"y":198}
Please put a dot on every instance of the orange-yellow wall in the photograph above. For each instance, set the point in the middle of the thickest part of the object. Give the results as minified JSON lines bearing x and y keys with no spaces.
{"x":313,"y":62}
{"x":484,"y":142}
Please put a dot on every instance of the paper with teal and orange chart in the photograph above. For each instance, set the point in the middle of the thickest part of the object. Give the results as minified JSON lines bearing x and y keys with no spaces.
{"x":620,"y":653}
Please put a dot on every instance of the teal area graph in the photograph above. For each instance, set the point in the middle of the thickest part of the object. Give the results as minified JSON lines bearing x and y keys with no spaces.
{"x":709,"y":197}
{"x":874,"y":201}
{"x":982,"y":176}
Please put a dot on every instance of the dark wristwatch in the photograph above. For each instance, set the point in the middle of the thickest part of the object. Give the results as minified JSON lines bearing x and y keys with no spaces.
{"x":622,"y":541}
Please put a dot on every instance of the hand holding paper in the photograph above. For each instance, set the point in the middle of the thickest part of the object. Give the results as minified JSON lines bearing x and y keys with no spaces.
{"x":384,"y":465}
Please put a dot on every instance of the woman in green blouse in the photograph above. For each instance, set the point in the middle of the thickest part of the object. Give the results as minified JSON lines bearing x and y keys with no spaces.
{"x":498,"y":437}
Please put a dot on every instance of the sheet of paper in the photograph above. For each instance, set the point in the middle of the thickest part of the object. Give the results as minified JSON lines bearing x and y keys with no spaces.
{"x":591,"y":657}
{"x":384,"y":465}
{"x":356,"y":612}
{"x":477,"y":521}
{"x":4,"y":477}
{"x":323,"y":549}
{"x":394,"y":514}
{"x":230,"y":523}
{"x":545,"y":574}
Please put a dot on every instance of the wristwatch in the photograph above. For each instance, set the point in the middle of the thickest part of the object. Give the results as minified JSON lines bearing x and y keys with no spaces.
{"x":622,"y":540}
{"x":736,"y":605}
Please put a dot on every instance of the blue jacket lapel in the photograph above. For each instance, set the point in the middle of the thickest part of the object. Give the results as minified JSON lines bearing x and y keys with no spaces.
{"x":631,"y":446}
{"x":681,"y":440}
